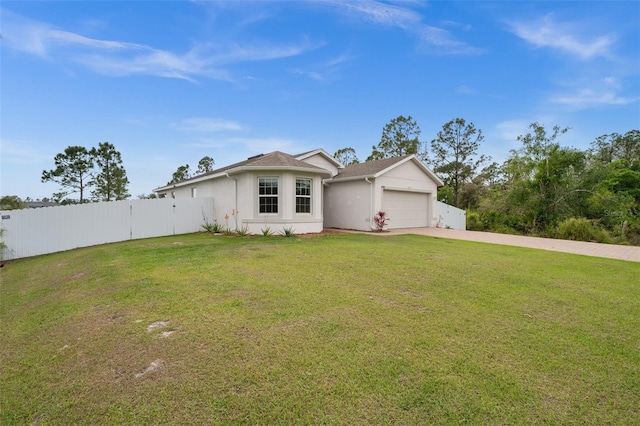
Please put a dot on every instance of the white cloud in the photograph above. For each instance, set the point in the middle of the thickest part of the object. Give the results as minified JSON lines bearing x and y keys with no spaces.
{"x":587,"y":98}
{"x":207,"y":125}
{"x":588,"y":94}
{"x":566,"y":37}
{"x":379,"y":13}
{"x":120,"y":58}
{"x":408,"y":20}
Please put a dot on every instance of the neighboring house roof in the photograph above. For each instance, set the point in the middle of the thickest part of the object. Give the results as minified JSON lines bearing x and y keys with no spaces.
{"x":273,"y":161}
{"x":39,"y":204}
{"x":373,"y":169}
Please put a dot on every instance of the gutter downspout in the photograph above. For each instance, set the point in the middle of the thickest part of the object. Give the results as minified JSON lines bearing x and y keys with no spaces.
{"x":235,"y":195}
{"x":373,"y":228}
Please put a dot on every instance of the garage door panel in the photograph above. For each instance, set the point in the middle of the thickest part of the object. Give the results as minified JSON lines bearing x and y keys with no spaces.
{"x":406,"y":209}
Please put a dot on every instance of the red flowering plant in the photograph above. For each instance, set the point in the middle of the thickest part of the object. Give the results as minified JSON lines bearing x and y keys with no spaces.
{"x":380,"y":220}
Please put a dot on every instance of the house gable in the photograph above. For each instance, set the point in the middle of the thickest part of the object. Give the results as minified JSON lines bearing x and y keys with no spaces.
{"x":321,"y":158}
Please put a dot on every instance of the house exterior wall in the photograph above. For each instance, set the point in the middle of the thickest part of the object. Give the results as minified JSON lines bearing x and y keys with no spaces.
{"x":236,"y":197}
{"x":320,"y":161}
{"x":348,"y":205}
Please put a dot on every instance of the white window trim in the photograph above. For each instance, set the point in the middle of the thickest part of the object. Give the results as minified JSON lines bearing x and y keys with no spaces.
{"x":310,"y":196}
{"x":277,"y":196}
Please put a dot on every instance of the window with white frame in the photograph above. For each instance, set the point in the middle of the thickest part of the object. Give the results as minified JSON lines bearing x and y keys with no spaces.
{"x":193,"y":192}
{"x":268,"y":195}
{"x":303,"y":195}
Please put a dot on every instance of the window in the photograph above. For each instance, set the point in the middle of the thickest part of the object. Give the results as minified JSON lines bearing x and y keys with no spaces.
{"x":303,"y":195}
{"x":268,"y":195}
{"x":193,"y":192}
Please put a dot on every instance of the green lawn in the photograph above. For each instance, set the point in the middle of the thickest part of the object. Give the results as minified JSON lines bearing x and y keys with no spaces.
{"x":337,"y":329}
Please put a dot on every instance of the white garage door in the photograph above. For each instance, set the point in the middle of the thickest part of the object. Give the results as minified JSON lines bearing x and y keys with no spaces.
{"x":405,"y":209}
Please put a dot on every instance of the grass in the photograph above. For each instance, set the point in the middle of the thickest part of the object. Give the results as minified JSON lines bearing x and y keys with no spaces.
{"x":338,"y":329}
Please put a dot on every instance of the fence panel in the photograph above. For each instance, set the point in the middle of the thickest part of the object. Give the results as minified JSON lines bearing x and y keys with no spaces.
{"x":32,"y":232}
{"x":451,"y":217}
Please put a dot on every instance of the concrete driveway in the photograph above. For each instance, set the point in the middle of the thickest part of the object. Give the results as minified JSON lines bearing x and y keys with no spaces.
{"x":611,"y":251}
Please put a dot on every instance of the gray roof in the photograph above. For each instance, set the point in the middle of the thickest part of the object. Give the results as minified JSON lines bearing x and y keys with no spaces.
{"x":370,"y":168}
{"x":273,"y":160}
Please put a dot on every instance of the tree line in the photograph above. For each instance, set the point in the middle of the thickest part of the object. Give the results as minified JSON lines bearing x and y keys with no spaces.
{"x":542,"y":188}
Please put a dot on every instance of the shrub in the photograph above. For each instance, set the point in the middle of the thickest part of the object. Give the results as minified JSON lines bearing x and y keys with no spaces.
{"x":214,"y":228}
{"x":243,"y":231}
{"x":581,"y":229}
{"x":287,"y":232}
{"x":474,"y":222}
{"x":266,"y":232}
{"x":380,"y":220}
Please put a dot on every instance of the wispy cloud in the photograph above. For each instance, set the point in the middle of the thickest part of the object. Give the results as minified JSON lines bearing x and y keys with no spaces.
{"x":121,"y":58}
{"x":323,"y":71}
{"x":379,"y":13}
{"x":566,"y":37}
{"x":587,"y":98}
{"x":207,"y":125}
{"x":593,"y":93}
{"x":433,"y":39}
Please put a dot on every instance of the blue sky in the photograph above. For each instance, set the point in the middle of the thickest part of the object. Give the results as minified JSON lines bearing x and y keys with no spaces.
{"x":170,"y":82}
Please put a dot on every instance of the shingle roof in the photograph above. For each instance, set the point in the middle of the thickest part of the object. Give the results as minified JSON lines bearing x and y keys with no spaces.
{"x":370,"y":168}
{"x":274,"y":160}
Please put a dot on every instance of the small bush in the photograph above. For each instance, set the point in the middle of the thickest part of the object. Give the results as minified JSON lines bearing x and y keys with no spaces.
{"x":287,"y":232}
{"x":243,"y":231}
{"x":266,"y":232}
{"x":214,"y":228}
{"x":581,"y":229}
{"x":380,"y":220}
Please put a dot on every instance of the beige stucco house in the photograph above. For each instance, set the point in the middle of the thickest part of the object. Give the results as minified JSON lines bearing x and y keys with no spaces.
{"x":312,"y":191}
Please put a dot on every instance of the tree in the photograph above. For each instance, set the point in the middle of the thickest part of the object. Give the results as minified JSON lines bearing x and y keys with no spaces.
{"x":111,"y":179}
{"x":454,"y":150}
{"x":346,"y":156}
{"x":73,"y":171}
{"x":181,"y":174}
{"x":205,"y":165}
{"x":609,"y":148}
{"x":147,"y":196}
{"x":401,"y":136}
{"x":11,"y":202}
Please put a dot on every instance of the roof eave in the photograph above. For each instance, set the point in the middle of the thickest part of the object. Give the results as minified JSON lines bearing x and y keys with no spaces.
{"x":242,"y":169}
{"x":189,"y":181}
{"x":350,"y":179}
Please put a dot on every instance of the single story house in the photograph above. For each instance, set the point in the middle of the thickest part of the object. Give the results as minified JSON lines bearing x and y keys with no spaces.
{"x":312,"y":191}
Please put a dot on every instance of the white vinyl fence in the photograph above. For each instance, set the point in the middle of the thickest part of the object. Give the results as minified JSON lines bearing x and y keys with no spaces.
{"x":31,"y":232}
{"x":450,"y":217}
